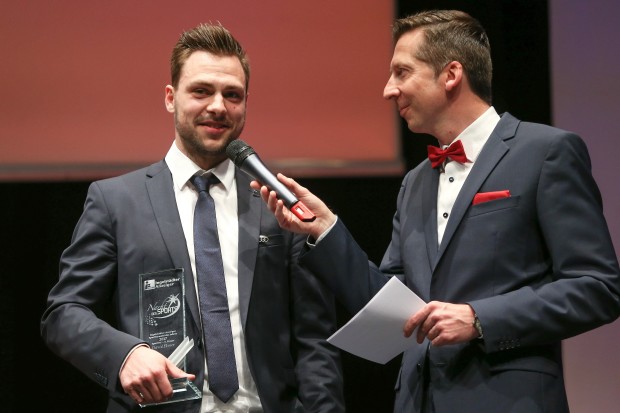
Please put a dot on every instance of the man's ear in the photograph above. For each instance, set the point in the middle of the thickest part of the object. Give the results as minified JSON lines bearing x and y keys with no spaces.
{"x":169,"y":98}
{"x":454,"y":75}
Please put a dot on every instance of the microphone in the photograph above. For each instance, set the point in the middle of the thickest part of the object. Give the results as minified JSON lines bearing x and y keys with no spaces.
{"x":248,"y":161}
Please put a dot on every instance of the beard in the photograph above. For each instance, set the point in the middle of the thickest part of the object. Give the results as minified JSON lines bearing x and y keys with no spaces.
{"x":195,"y":146}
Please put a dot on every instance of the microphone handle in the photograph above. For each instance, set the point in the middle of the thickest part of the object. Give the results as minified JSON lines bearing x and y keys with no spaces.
{"x":255,"y":167}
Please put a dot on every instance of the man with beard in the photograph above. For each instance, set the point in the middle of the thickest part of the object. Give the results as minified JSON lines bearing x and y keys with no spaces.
{"x":276,"y":315}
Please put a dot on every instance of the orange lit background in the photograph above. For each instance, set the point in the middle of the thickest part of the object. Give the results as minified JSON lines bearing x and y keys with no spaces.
{"x":83,"y":84}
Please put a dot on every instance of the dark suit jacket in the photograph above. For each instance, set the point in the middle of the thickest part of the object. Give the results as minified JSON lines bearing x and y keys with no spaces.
{"x":130,"y":225}
{"x":537,"y":267}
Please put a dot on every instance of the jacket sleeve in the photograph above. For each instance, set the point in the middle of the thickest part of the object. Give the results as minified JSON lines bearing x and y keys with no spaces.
{"x":580,"y":290}
{"x":74,"y":323}
{"x":318,"y":365}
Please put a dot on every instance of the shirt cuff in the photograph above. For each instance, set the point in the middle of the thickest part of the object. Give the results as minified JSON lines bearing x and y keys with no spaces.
{"x":313,"y":243}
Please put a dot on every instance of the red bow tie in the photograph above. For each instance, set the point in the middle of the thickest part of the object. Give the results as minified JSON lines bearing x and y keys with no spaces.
{"x":455,"y":152}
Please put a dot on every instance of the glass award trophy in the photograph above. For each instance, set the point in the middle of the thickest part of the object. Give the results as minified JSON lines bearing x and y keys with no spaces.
{"x":162,"y":324}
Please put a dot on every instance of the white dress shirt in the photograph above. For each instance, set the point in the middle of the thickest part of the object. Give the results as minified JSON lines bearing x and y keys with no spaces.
{"x":224,"y":195}
{"x":454,"y":174}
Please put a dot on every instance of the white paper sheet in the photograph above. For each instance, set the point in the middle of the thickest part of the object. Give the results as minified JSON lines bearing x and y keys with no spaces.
{"x":376,"y":331}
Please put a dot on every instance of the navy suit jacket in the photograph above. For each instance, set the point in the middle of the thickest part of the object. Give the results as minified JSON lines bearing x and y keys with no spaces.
{"x":130,"y":225}
{"x":537,"y":267}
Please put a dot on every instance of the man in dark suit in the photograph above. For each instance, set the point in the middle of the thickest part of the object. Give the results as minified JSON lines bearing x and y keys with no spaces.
{"x":143,"y":223}
{"x":506,"y":241}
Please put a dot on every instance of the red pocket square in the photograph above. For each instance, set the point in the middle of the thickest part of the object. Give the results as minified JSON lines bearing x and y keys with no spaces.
{"x":489,"y":196}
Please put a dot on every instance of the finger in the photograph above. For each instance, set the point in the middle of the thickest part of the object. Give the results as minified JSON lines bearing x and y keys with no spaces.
{"x":288,"y":182}
{"x":173,"y":371}
{"x":150,"y":392}
{"x":415,"y":321}
{"x":158,"y":390}
{"x":280,"y":213}
{"x":272,"y":200}
{"x":292,"y":184}
{"x":425,"y":327}
{"x":421,"y":334}
{"x":136,"y":395}
{"x":433,"y":333}
{"x":410,"y":326}
{"x":264,"y":193}
{"x":162,"y":389}
{"x":439,"y":337}
{"x":255,"y":185}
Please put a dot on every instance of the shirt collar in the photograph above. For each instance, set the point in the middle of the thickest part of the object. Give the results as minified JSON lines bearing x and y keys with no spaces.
{"x":476,"y":134}
{"x":183,"y":168}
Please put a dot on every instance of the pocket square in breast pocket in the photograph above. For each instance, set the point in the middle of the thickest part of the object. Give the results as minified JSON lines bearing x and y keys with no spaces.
{"x":489,"y":196}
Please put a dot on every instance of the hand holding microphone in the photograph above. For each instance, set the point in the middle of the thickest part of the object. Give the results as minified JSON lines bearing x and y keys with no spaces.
{"x":248,"y":161}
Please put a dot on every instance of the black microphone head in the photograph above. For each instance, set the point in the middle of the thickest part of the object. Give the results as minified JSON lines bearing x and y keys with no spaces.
{"x":238,"y":151}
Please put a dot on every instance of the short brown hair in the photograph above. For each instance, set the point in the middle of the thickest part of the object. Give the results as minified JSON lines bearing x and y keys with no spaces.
{"x":211,"y":38}
{"x":452,"y":35}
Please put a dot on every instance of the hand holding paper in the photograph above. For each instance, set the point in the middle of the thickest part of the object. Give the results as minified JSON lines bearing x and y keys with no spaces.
{"x":376,"y":332}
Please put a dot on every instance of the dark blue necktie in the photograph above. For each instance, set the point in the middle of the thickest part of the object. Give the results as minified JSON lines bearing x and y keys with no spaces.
{"x":222,"y":369}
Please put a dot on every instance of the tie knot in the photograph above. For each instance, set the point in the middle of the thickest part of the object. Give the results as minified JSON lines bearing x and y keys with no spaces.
{"x":203,"y":182}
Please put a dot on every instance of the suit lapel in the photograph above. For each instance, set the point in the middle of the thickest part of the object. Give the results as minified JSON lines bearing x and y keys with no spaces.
{"x":159,"y":186}
{"x":492,"y":152}
{"x":429,"y":211}
{"x":249,"y":212}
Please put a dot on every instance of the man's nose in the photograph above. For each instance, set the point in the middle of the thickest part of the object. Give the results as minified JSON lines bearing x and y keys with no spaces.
{"x":216,"y":104}
{"x":390,"y":91}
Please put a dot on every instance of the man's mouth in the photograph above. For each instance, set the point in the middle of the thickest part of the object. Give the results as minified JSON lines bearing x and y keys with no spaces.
{"x":214,"y":125}
{"x":402,"y":110}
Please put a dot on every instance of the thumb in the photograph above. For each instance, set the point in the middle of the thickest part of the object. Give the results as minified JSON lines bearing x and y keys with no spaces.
{"x":174,"y":371}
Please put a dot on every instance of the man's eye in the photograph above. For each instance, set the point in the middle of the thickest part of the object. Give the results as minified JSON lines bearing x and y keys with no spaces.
{"x":235,"y":96}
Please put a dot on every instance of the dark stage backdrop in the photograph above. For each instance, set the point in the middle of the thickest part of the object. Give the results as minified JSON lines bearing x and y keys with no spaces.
{"x":553,"y":63}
